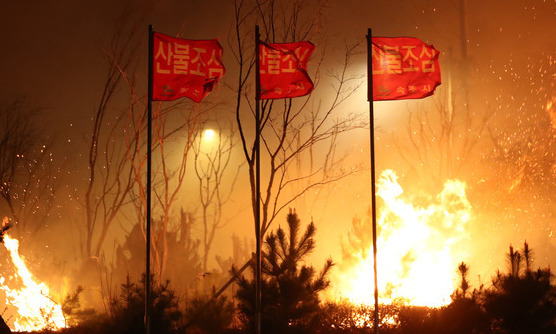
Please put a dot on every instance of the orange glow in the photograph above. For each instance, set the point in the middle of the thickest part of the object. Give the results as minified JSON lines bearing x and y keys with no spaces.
{"x":417,"y":248}
{"x":209,"y":135}
{"x":36,"y":310}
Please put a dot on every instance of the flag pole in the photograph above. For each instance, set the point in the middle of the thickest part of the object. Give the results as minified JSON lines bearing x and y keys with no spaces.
{"x":372,"y":154}
{"x":149,"y":162}
{"x":258,"y":278}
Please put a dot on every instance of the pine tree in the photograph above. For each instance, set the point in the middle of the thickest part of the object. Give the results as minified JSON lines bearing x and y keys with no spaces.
{"x":522,"y":302}
{"x":464,"y":314}
{"x":127,"y":311}
{"x":290,"y":298}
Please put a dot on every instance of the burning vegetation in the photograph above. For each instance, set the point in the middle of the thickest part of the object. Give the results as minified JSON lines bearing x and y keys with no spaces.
{"x":477,"y":177}
{"x":416,"y":239}
{"x":519,"y":300}
{"x":34,"y":307}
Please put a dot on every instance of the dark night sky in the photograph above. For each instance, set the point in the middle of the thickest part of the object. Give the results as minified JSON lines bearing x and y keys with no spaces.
{"x":51,"y":50}
{"x":50,"y":47}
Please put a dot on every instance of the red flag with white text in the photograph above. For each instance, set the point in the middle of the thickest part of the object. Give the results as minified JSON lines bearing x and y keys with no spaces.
{"x":185,"y":68}
{"x":283,"y":69}
{"x":403,"y":68}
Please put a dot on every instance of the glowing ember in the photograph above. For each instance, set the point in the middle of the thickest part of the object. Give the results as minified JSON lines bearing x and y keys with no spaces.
{"x":551,"y":109}
{"x":36,"y":310}
{"x":416,"y":248}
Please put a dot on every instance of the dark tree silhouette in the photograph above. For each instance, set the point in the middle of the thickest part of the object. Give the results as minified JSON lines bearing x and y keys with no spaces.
{"x":210,"y":315}
{"x":418,"y":320}
{"x":290,"y":298}
{"x":464,"y":316}
{"x":184,"y":262}
{"x":465,"y":313}
{"x":127,"y":311}
{"x":28,"y":177}
{"x":522,"y":301}
{"x":4,"y":329}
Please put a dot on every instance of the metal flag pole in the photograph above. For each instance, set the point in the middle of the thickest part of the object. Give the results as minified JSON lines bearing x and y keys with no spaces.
{"x":372,"y":154}
{"x":149,"y":162}
{"x":258,"y":279}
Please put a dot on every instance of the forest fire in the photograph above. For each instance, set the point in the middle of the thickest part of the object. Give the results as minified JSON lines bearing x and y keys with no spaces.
{"x":35,"y":309}
{"x":418,"y":248}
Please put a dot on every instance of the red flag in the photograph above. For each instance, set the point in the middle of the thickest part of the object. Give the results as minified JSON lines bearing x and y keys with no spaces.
{"x":283,"y":69}
{"x":185,"y":68}
{"x":403,"y":68}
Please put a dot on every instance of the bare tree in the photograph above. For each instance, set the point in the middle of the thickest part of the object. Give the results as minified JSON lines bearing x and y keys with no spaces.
{"x":170,"y":170}
{"x":28,"y":180}
{"x":443,"y":140}
{"x":117,"y":150}
{"x":111,"y":148}
{"x":212,"y":159}
{"x":290,"y":129}
{"x":176,"y":126}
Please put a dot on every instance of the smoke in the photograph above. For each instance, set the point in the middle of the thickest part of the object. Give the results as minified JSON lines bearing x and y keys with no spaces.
{"x":504,"y":81}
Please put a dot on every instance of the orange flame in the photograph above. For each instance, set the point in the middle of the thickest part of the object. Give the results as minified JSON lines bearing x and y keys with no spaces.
{"x":36,"y":310}
{"x":417,"y":260}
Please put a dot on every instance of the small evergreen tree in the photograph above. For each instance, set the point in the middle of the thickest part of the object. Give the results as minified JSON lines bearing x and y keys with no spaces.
{"x":128,"y":310}
{"x":463,"y":270}
{"x":209,"y":315}
{"x":290,"y":298}
{"x":74,"y":312}
{"x":464,"y":314}
{"x":522,"y":302}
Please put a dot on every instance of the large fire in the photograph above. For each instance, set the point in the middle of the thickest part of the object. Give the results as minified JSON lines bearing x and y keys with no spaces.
{"x":418,"y":251}
{"x":36,"y":310}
